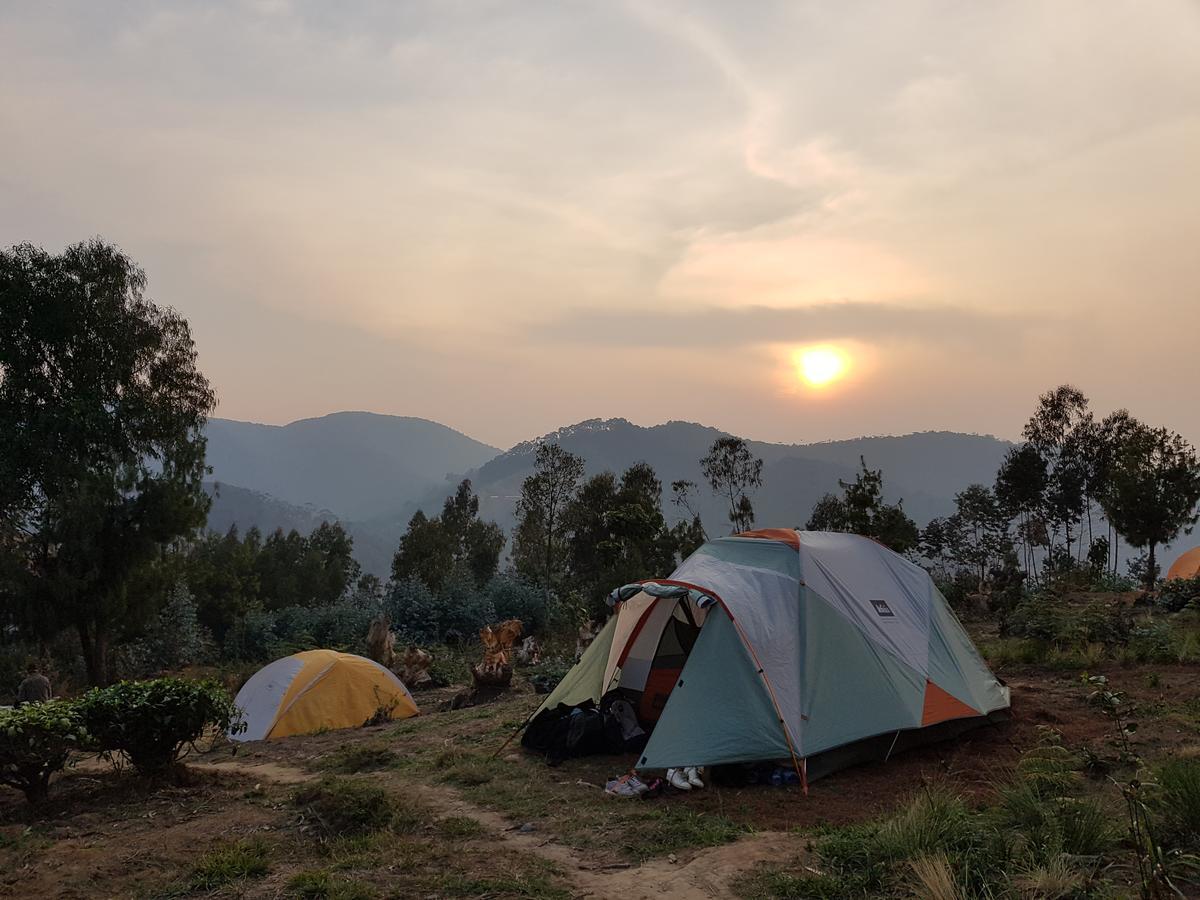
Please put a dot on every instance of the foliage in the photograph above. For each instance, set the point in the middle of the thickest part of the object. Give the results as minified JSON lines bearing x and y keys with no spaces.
{"x":861,"y":510}
{"x":152,"y":722}
{"x":360,"y":758}
{"x":422,"y":618}
{"x":269,"y":634}
{"x":1153,"y":487}
{"x":431,"y":548}
{"x":539,"y":539}
{"x":344,"y":806}
{"x":617,"y":534}
{"x":232,"y":575}
{"x":102,"y":411}
{"x":174,"y":639}
{"x":1052,"y":618}
{"x":1179,"y":593}
{"x":975,"y":537}
{"x":512,"y":598}
{"x":733,"y":471}
{"x":35,"y":741}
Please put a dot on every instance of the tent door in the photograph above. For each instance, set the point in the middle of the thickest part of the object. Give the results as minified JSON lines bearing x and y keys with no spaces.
{"x":678,"y":638}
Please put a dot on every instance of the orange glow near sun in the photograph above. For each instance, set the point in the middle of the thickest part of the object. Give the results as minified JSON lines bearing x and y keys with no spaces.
{"x":821,"y":366}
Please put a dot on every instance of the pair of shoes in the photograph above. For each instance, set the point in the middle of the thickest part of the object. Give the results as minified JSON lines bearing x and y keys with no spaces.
{"x":626,"y":786}
{"x":684,"y":779}
{"x":678,"y":780}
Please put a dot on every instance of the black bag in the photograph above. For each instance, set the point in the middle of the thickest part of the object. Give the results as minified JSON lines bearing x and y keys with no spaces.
{"x":566,"y":732}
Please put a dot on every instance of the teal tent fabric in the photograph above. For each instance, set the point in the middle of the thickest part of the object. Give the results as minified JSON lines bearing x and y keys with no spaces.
{"x":956,"y":666}
{"x":754,"y":552}
{"x":720,"y":710}
{"x":851,"y":687}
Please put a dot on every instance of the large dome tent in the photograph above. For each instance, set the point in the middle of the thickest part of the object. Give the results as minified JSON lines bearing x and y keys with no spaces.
{"x":1187,"y":566}
{"x":319,"y":690}
{"x":823,"y":648}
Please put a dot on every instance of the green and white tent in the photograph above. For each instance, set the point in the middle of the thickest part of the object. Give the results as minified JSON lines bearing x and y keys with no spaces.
{"x":823,"y":648}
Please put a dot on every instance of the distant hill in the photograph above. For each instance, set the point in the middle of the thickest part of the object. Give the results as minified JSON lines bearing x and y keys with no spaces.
{"x":361,"y":465}
{"x":372,"y":472}
{"x":925,"y":469}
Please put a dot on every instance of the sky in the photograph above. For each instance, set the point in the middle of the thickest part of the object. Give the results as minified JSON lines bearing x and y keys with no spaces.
{"x":512,"y":216}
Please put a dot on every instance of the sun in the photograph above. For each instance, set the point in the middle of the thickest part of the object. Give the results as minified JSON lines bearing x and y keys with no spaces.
{"x":821,"y":366}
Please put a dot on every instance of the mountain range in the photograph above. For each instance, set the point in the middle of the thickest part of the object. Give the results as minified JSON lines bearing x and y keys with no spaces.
{"x":372,"y":472}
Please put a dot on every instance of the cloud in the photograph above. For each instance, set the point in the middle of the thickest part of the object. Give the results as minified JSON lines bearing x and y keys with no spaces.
{"x":723,"y":327}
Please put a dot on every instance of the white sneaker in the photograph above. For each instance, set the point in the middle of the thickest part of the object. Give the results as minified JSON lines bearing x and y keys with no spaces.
{"x":693,"y":776}
{"x":677,"y":780}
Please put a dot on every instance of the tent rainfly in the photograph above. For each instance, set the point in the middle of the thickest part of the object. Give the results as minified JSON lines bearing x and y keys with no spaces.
{"x":319,"y":690}
{"x":1187,"y":566}
{"x":827,"y":649}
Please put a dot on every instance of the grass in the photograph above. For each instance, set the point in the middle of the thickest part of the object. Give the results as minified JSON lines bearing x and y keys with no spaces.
{"x":1179,"y":781}
{"x":228,"y":863}
{"x":460,"y":828}
{"x":360,"y":758}
{"x":320,"y":884}
{"x":349,"y":806}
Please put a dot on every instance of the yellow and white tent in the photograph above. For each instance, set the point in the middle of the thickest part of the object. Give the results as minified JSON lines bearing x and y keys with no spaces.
{"x":319,"y":690}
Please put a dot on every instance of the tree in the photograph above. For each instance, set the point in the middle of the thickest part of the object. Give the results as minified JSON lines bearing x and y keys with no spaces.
{"x":102,"y":411}
{"x":1060,"y":431}
{"x":1153,"y":486}
{"x":861,"y":510}
{"x":978,"y":531}
{"x":474,"y":543}
{"x":425,"y":554}
{"x":457,"y":539}
{"x":616,"y":532}
{"x":1021,"y":492}
{"x":538,"y":542}
{"x":733,"y":471}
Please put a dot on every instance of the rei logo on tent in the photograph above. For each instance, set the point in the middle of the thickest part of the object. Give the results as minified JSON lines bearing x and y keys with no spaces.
{"x":883,"y":609}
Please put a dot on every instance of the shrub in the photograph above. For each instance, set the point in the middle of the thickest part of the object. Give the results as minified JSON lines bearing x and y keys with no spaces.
{"x":35,"y":741}
{"x":263,"y":635}
{"x":455,"y":614}
{"x":342,"y":806}
{"x":512,"y":598}
{"x":1153,"y":641}
{"x":1177,"y":594}
{"x":151,"y":722}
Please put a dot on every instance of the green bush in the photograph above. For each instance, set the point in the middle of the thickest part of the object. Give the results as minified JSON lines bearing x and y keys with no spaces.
{"x":1049,"y":617}
{"x":1179,"y":593}
{"x":343,"y":806}
{"x":35,"y":741}
{"x":151,"y":722}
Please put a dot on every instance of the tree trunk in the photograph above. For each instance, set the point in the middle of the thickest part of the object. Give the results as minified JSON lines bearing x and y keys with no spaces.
{"x":1150,"y":569}
{"x":94,"y":643}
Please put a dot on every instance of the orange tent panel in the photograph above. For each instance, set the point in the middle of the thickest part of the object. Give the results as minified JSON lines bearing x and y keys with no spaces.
{"x":1187,"y":566}
{"x":941,"y":706}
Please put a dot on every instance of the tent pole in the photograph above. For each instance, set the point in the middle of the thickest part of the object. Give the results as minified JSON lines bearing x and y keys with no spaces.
{"x":520,"y":728}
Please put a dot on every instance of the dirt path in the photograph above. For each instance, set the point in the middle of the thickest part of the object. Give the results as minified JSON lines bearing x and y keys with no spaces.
{"x":706,"y":873}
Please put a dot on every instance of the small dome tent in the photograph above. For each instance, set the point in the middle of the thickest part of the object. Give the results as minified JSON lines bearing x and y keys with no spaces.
{"x":1187,"y":566}
{"x":319,"y":690}
{"x":825,"y":648}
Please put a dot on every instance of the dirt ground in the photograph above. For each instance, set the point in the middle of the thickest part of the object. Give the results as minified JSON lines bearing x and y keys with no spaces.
{"x":510,"y":826}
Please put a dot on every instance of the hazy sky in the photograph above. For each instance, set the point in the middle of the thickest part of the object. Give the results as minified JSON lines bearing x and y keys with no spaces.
{"x":510,"y":216}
